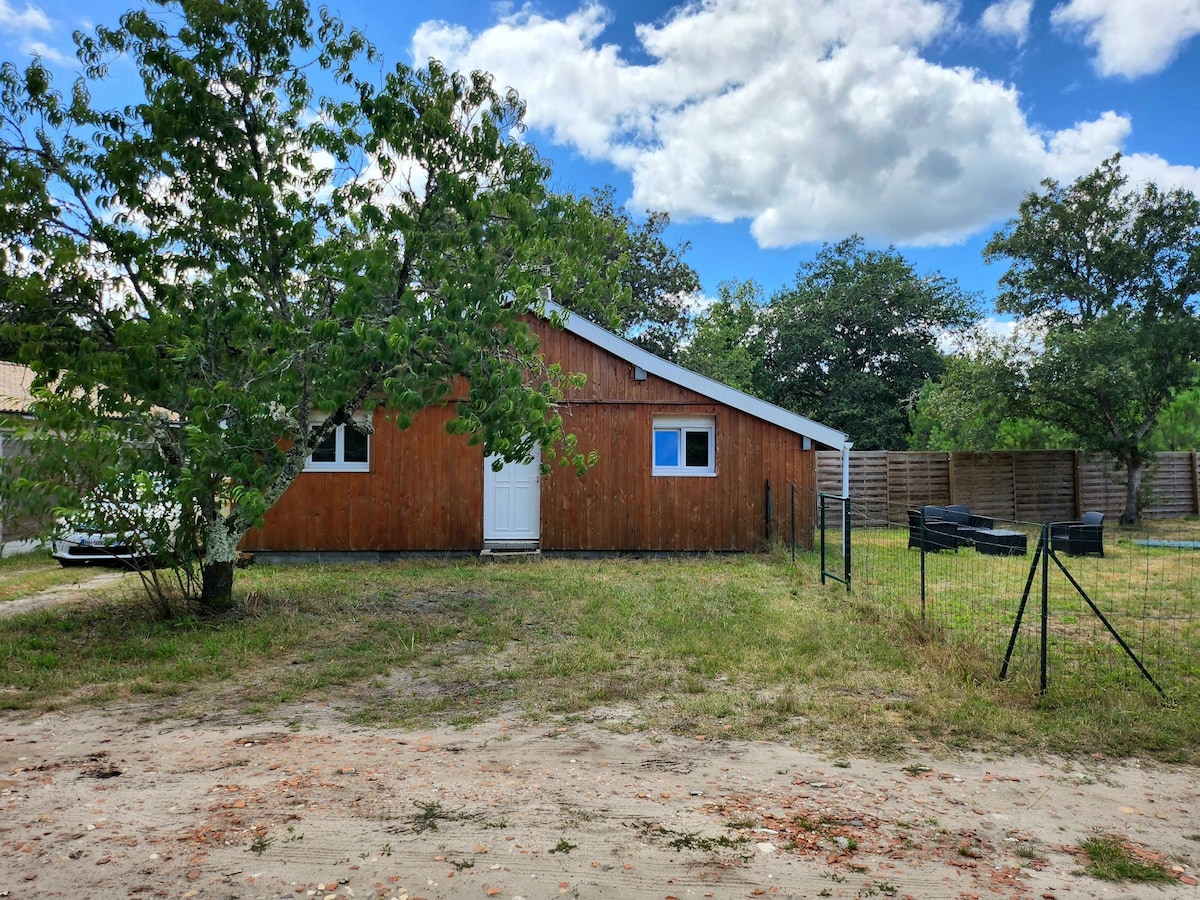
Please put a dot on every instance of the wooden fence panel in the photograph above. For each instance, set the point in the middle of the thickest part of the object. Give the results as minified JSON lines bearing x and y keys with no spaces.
{"x":868,"y":482}
{"x":1101,"y":487}
{"x":918,"y":479}
{"x":984,"y":483}
{"x":1023,"y":485}
{"x":1169,"y":486}
{"x":1044,"y":485}
{"x":829,"y":471}
{"x":869,"y":486}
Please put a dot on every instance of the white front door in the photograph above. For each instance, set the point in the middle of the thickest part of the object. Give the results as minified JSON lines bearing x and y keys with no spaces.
{"x":512,"y":503}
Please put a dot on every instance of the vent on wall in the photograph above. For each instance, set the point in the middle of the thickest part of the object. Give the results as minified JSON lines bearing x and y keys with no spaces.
{"x":639,"y":374}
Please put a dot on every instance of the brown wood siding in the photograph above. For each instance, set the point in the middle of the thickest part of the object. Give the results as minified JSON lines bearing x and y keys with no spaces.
{"x":424,"y":492}
{"x":425,"y":488}
{"x":618,"y":505}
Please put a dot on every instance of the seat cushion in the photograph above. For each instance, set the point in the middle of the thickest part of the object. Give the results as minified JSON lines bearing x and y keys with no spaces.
{"x":959,"y":515}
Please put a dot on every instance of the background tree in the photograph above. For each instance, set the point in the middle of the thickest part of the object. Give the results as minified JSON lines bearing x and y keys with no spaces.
{"x":653,"y":310}
{"x":211,"y":279}
{"x":1109,"y":276}
{"x":1178,"y":426}
{"x":980,"y":402}
{"x":854,"y":340}
{"x":728,"y":341}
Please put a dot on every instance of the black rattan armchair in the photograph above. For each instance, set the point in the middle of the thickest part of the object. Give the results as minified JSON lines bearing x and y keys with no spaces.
{"x":1079,"y":538}
{"x":935,"y":535}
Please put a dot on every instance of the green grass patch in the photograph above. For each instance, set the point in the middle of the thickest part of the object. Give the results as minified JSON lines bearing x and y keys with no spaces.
{"x":1111,"y":859}
{"x":733,"y":646}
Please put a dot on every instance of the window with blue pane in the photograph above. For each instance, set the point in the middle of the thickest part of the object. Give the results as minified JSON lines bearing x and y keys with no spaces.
{"x":684,"y":446}
{"x":666,"y":448}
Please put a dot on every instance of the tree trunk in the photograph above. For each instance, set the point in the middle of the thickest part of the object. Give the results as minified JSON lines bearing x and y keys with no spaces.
{"x":1133,"y":492}
{"x":216,"y":570}
{"x":216,"y":585}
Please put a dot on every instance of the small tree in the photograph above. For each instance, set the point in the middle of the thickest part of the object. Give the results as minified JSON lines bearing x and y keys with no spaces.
{"x":981,"y":403}
{"x":211,"y":279}
{"x":728,"y":341}
{"x":1110,"y":278}
{"x":1178,"y":427}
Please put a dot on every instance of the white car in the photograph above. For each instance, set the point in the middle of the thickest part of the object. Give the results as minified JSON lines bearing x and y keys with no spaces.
{"x":80,"y":545}
{"x":126,"y":525}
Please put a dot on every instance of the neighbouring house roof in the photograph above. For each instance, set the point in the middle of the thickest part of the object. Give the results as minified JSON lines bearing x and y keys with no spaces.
{"x":715,"y":390}
{"x":15,"y":382}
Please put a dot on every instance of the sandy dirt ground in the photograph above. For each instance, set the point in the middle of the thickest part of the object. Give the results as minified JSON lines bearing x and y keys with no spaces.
{"x":100,"y":804}
{"x":89,"y":580}
{"x":123,"y":803}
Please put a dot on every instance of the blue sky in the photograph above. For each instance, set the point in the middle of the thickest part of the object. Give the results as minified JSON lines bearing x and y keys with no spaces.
{"x":765,"y":127}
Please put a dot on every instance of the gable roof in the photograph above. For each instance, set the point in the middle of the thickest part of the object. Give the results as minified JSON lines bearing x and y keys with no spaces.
{"x":714,"y":390}
{"x":15,"y":381}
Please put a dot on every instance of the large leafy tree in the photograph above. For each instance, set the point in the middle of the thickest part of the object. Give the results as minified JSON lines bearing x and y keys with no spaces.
{"x":652,"y":310}
{"x":211,"y":278}
{"x":1110,"y":277}
{"x":852,"y":343}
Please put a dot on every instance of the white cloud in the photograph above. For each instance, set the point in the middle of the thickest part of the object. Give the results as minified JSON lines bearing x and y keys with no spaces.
{"x":1142,"y":167}
{"x":46,"y":52}
{"x":1077,"y":150}
{"x":1008,"y":18}
{"x":810,"y":119}
{"x":30,"y":19}
{"x":1131,"y":37}
{"x":988,"y":332}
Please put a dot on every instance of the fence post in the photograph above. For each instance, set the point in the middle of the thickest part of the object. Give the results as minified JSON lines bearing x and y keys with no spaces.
{"x":1078,"y":466}
{"x":1045,"y":650}
{"x":821,"y":510}
{"x":950,"y":467}
{"x":1195,"y":485}
{"x":921,"y":541}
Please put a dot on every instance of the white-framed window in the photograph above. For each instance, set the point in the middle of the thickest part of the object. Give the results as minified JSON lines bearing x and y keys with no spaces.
{"x":684,"y":446}
{"x":345,"y":449}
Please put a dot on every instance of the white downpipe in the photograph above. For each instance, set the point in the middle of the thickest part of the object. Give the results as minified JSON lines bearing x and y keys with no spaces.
{"x":846,"y":468}
{"x":845,"y":523}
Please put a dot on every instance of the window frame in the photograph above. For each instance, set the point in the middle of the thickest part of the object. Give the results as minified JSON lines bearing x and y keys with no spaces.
{"x":682,"y":426}
{"x":339,"y":462}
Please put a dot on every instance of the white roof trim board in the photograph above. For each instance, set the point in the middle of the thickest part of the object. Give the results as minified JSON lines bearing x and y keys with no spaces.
{"x":714,"y":390}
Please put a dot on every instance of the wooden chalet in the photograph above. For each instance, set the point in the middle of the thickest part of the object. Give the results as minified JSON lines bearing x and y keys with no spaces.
{"x":684,"y":465}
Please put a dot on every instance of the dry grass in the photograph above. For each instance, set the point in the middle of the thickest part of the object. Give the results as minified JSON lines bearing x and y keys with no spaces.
{"x":741,"y":646}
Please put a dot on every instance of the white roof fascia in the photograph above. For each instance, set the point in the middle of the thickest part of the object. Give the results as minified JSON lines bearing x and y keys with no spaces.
{"x":722,"y":393}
